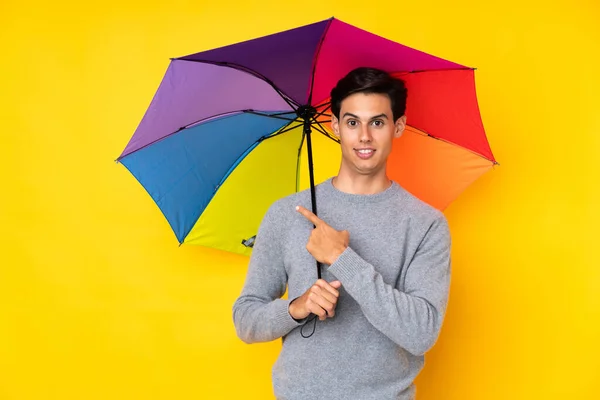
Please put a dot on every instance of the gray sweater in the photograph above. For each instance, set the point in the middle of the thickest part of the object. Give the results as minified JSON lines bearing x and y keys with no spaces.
{"x":395,"y":278}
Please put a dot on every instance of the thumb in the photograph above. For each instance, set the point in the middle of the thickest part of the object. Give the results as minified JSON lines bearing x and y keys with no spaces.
{"x":336,"y":284}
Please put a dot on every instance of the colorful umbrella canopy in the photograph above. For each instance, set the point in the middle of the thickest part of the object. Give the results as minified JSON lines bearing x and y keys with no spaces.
{"x":227,"y":131}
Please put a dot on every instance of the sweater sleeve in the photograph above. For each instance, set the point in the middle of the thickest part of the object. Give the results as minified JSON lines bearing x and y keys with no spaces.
{"x":412,"y":318}
{"x":259,"y":313}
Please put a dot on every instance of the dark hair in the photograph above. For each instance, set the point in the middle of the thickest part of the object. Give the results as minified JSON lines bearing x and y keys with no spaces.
{"x":370,"y":80}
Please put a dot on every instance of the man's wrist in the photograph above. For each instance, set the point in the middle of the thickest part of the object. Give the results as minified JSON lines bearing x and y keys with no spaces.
{"x":333,"y":258}
{"x":290,"y":306}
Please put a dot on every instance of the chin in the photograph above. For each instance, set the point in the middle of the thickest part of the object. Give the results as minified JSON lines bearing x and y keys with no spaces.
{"x":367,"y":164}
{"x":367,"y":169}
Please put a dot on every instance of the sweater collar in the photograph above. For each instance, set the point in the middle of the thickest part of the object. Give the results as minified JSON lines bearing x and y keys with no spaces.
{"x":386,"y":194}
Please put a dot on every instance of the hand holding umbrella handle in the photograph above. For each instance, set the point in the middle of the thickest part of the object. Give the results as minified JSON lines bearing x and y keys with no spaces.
{"x":320,"y":299}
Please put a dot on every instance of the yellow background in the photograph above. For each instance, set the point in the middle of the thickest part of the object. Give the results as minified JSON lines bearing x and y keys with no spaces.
{"x":97,"y":301}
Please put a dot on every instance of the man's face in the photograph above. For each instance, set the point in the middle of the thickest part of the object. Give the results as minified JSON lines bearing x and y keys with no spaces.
{"x":366,"y":129}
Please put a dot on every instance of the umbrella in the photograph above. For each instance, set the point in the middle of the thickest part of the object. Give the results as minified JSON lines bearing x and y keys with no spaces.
{"x":232,"y":129}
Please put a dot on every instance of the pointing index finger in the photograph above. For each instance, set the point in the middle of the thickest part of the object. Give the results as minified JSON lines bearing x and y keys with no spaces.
{"x":309,"y":215}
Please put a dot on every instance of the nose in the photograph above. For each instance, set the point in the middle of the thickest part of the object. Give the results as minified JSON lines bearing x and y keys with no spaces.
{"x":365,"y":134}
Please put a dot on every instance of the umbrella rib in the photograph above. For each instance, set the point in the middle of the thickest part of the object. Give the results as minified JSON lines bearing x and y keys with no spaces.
{"x":328,"y":104}
{"x":281,"y":113}
{"x":418,"y":71}
{"x":215,"y":116}
{"x":298,"y":162}
{"x":323,"y":111}
{"x":291,"y":102}
{"x":315,"y":60}
{"x":330,"y":138}
{"x":323,"y":131}
{"x":207,"y":119}
{"x":249,"y":111}
{"x":283,"y":129}
{"x":429,"y":135}
{"x":275,"y":116}
{"x":319,"y":128}
{"x":327,"y":136}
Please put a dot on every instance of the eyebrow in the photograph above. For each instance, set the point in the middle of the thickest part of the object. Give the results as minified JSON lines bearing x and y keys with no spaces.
{"x":356,"y":116}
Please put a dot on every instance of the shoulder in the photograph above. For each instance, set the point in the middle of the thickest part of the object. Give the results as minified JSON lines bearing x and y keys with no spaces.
{"x":284,"y":208}
{"x":419,"y":211}
{"x":417,"y":207}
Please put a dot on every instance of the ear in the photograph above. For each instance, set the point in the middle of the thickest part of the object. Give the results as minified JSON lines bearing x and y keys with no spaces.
{"x":335,"y":125}
{"x":400,"y":126}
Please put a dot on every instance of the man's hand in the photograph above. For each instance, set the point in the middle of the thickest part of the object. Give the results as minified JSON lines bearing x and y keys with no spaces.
{"x":325,"y":243}
{"x":320,"y":299}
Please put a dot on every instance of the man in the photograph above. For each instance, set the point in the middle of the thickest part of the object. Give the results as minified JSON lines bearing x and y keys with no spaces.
{"x":385,"y":259}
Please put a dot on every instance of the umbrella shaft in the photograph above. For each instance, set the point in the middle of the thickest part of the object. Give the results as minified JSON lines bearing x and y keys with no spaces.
{"x":313,"y":196}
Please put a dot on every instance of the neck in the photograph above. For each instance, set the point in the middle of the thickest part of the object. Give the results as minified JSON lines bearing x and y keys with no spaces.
{"x":361,"y":184}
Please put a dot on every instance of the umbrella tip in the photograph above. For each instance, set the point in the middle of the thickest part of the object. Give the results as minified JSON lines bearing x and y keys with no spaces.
{"x":249,"y":242}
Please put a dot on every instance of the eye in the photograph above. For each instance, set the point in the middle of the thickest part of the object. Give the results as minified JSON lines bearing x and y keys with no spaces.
{"x":352,"y":123}
{"x":378,"y":123}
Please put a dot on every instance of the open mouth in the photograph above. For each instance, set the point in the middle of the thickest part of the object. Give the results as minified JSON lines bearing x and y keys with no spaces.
{"x":364,"y":153}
